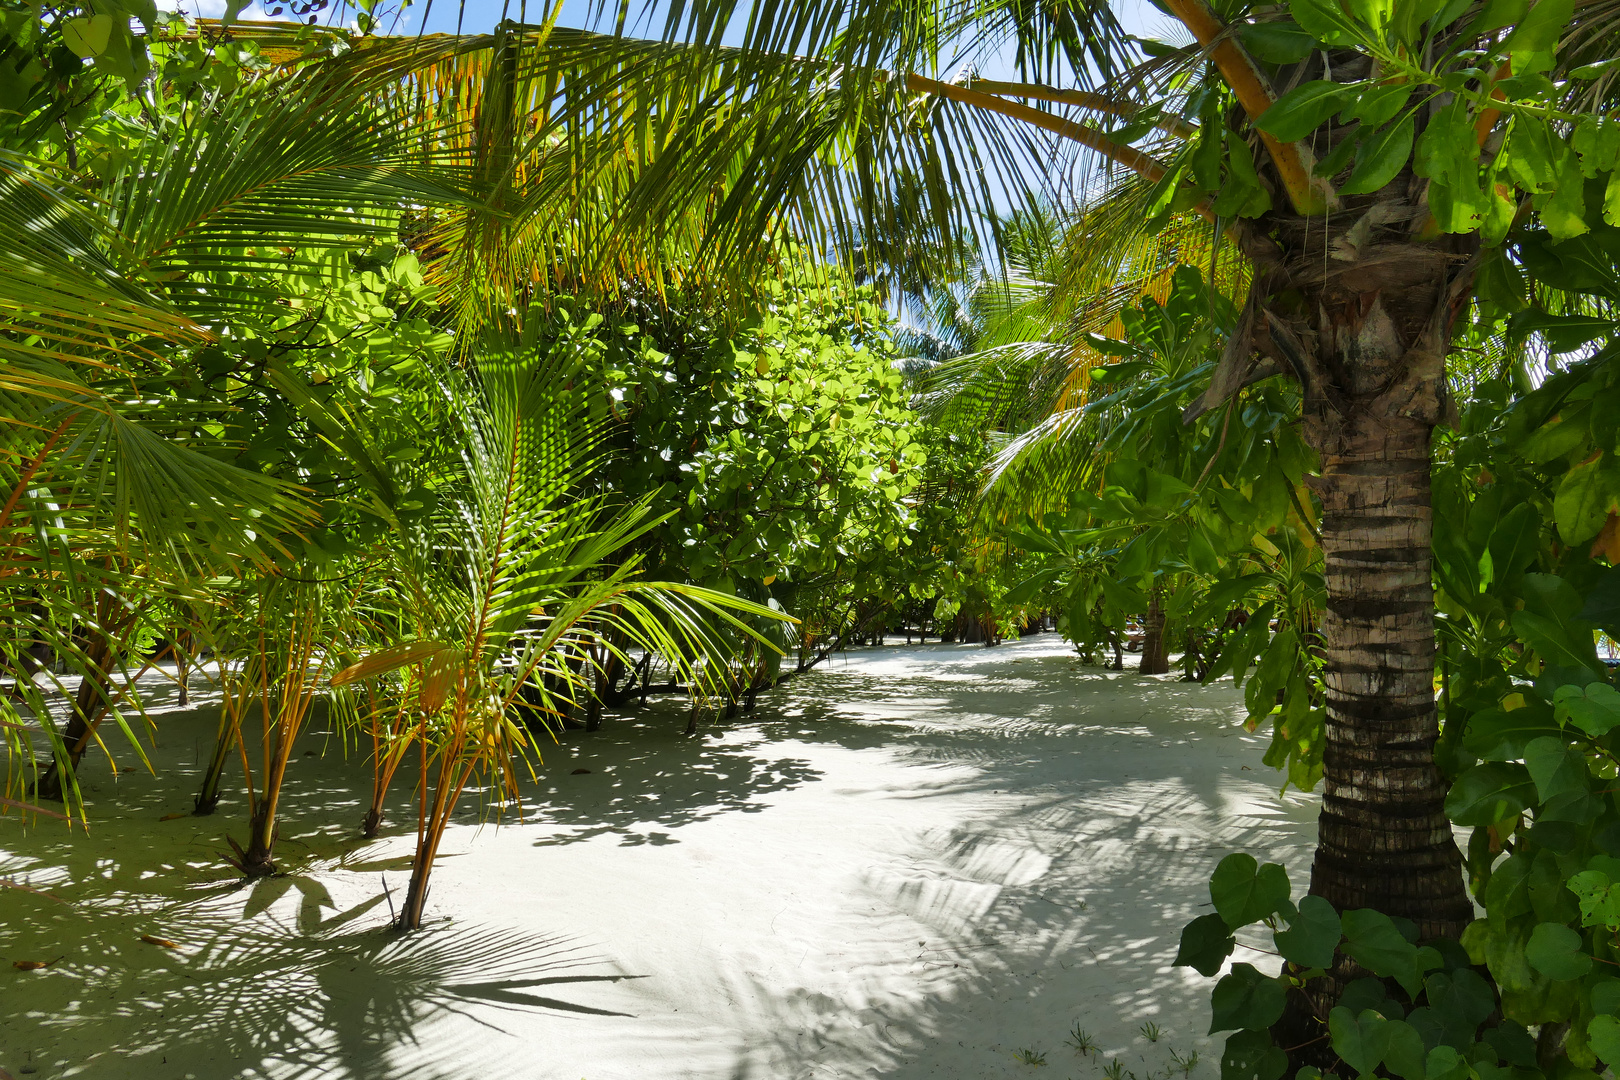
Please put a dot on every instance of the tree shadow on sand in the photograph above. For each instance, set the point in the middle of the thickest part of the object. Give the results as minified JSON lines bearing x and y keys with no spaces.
{"x":231,"y":981}
{"x":647,"y":781}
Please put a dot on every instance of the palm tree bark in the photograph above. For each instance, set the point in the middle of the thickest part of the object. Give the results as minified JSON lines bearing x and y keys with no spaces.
{"x":1155,"y":648}
{"x":1384,"y":839}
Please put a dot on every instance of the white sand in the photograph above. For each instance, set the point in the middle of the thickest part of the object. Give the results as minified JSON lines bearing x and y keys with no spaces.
{"x":914,"y":864}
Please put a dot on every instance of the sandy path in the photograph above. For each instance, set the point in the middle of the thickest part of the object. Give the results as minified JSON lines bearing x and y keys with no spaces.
{"x":912,"y":865}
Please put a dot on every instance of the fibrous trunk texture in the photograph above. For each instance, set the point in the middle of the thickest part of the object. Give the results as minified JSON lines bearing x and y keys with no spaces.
{"x":1374,"y":344}
{"x":1384,"y":839}
{"x":1359,"y":308}
{"x":1155,"y":648}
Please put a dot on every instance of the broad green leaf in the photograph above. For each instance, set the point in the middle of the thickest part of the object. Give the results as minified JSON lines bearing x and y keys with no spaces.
{"x":1280,"y":42}
{"x":1555,"y":951}
{"x":1553,"y":641}
{"x":1556,"y":767}
{"x":1531,"y":159}
{"x":1596,"y":141}
{"x":1603,"y":1033}
{"x":1595,"y":709}
{"x":1461,"y":1000}
{"x":1246,"y":892}
{"x":1502,"y":734}
{"x":1323,"y":20}
{"x":1445,"y":1063}
{"x":1206,"y":942}
{"x":1515,"y":541}
{"x":1361,"y":1041}
{"x":1499,"y":13}
{"x":1410,"y":17}
{"x":1250,"y":1055}
{"x":1373,"y":941}
{"x":1539,"y":31}
{"x":1312,"y":935}
{"x":1602,"y":605}
{"x":1448,"y":150}
{"x":1379,"y":104}
{"x":1605,"y":996}
{"x":1599,"y":897}
{"x":1490,"y":792}
{"x":1246,"y":999}
{"x":1585,"y":498}
{"x":1563,"y":210}
{"x":1303,"y":109}
{"x":1562,"y":333}
{"x":1381,"y":156}
{"x":87,"y":37}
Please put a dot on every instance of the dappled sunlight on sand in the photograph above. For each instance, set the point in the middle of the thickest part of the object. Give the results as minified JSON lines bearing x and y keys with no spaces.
{"x":909,"y":865}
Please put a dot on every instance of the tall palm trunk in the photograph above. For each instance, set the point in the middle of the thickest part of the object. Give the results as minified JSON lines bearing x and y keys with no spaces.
{"x":1370,"y":348}
{"x":1384,"y":839}
{"x":1155,"y":647}
{"x":1370,"y":327}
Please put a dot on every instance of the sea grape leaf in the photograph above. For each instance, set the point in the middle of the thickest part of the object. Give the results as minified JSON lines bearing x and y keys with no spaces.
{"x":1312,"y":935}
{"x":1206,"y":942}
{"x":1555,"y":951}
{"x":1246,"y":999}
{"x":1245,"y":892}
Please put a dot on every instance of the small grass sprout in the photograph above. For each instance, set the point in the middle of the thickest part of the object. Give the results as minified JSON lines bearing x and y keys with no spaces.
{"x":1150,"y":1031}
{"x":1115,"y":1070}
{"x":1185,"y":1064}
{"x":1082,"y":1041}
{"x":1030,"y":1057}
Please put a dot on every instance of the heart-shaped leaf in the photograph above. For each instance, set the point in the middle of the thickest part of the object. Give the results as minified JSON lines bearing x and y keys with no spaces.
{"x":1555,"y":951}
{"x":1246,"y":999}
{"x":1206,"y":942}
{"x":1312,"y":935}
{"x":1245,"y":892}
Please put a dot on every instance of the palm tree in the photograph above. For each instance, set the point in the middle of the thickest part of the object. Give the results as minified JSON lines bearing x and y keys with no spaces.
{"x":521,"y":580}
{"x":1365,"y":199}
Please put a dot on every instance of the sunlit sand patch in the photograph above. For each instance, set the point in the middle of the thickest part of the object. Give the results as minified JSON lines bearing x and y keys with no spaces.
{"x":907,"y":866}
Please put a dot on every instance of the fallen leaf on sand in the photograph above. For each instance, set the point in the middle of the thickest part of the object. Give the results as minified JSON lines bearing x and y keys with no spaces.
{"x":32,"y":965}
{"x":177,"y":815}
{"x":153,"y":940}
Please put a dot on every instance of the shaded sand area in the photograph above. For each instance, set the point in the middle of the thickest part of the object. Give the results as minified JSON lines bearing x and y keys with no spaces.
{"x":912,"y":865}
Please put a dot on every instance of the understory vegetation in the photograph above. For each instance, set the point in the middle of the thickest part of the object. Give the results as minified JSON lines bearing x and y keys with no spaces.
{"x":466,"y":389}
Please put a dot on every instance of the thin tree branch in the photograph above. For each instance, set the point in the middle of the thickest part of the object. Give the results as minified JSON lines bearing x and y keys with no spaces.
{"x":1173,"y":125}
{"x":1146,"y":166}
